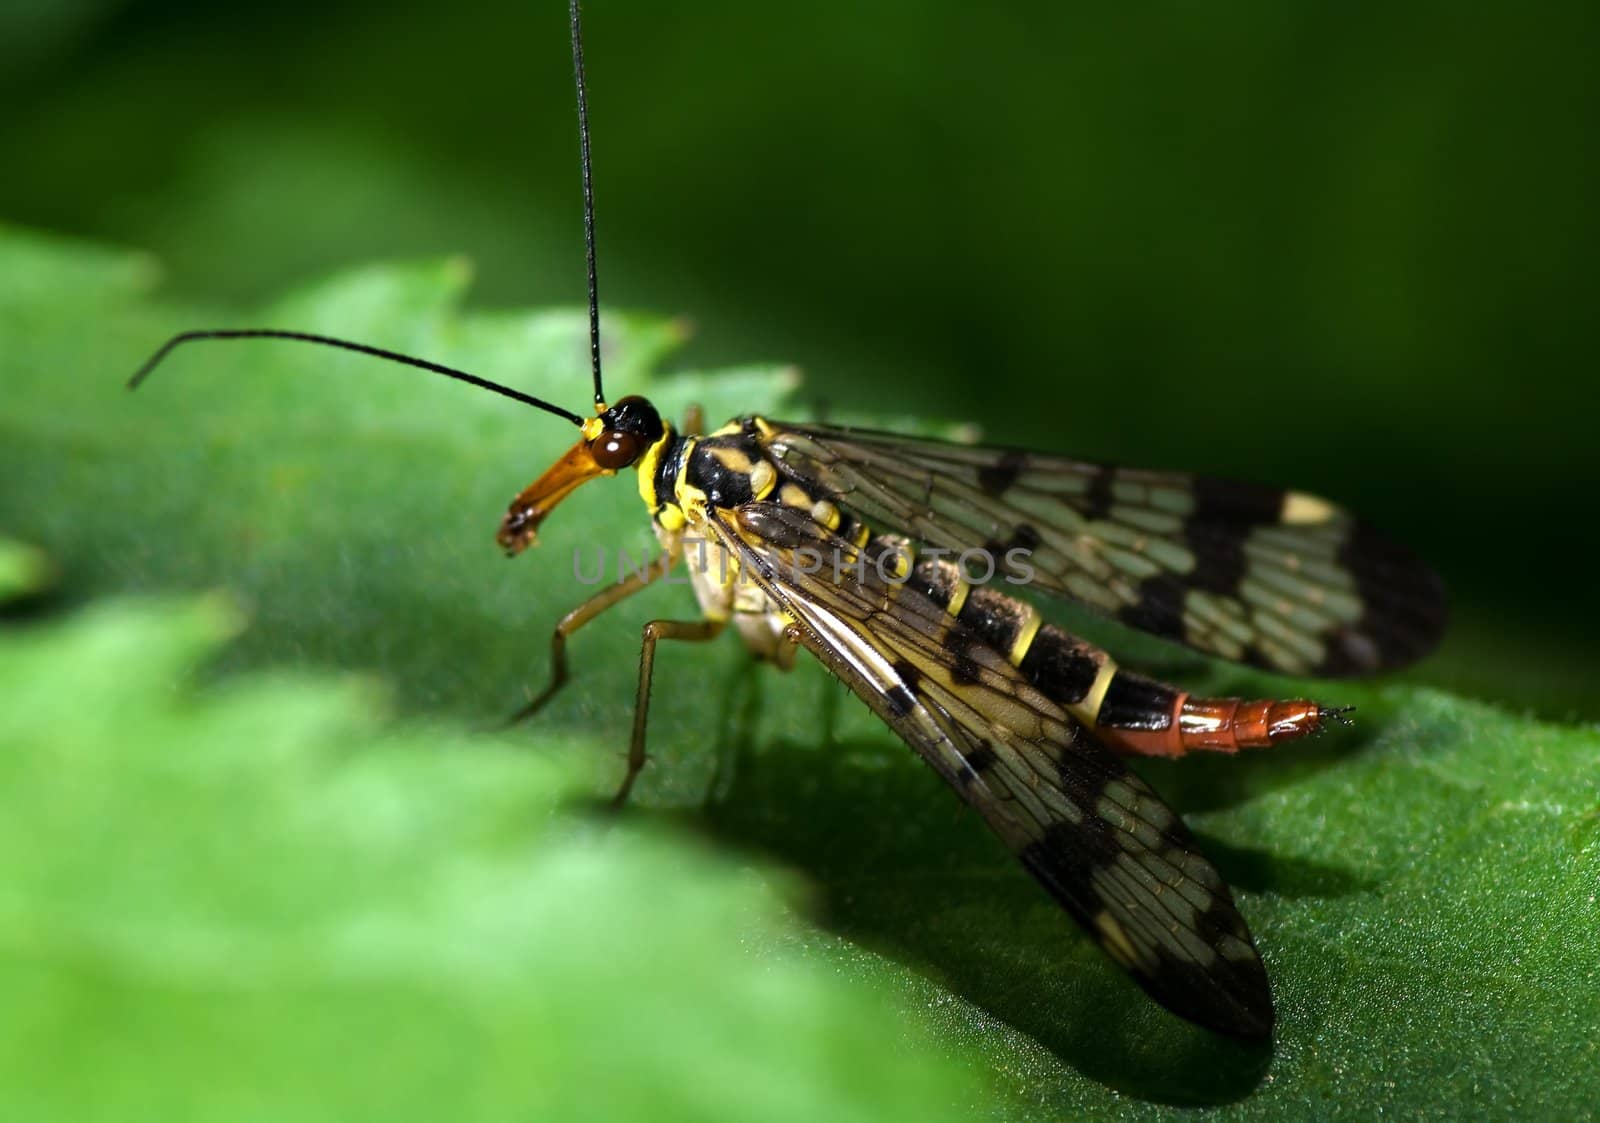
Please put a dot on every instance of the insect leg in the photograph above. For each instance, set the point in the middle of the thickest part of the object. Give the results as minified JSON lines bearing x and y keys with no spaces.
{"x":578,"y":617}
{"x":694,"y":631}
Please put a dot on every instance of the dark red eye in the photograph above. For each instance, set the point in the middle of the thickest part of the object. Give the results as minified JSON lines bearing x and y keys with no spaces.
{"x":613,"y":450}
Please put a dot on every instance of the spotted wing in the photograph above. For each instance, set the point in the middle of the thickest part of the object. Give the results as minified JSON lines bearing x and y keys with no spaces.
{"x":1104,"y":845}
{"x":1280,"y":580}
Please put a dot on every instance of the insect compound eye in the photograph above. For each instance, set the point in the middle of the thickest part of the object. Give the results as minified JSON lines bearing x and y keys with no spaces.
{"x":613,"y":449}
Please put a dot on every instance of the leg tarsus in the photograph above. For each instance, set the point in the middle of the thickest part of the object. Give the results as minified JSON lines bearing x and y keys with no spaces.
{"x":581,"y":615}
{"x":558,"y":677}
{"x":692,"y":631}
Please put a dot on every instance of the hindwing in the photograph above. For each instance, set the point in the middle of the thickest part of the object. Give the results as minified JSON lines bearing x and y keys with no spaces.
{"x":1275,"y":579}
{"x":1105,"y":846}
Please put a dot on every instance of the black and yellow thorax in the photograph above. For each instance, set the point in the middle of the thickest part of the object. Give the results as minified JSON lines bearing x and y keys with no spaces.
{"x":683,"y":477}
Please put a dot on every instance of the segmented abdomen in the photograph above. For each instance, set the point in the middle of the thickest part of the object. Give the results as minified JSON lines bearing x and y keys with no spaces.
{"x":1130,"y":711}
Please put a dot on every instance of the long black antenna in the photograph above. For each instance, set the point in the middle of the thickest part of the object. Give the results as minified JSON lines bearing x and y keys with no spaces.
{"x":344,"y":344}
{"x":437,"y":368}
{"x":588,"y":199}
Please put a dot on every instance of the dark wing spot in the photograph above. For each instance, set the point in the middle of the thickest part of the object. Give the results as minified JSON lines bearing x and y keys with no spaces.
{"x":901,"y":702}
{"x":1225,"y":513}
{"x":1159,"y":609}
{"x":995,"y":478}
{"x":1219,"y":558}
{"x":1024,"y":537}
{"x":1404,"y":610}
{"x":901,"y":699}
{"x":964,"y":669}
{"x":1097,"y":501}
{"x":908,"y":674}
{"x":1232,"y":997}
{"x":1241,"y":504}
{"x":982,"y":758}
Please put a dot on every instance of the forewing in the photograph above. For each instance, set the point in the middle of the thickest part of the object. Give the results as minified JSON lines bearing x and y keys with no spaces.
{"x":1105,"y":845}
{"x":1280,"y":580}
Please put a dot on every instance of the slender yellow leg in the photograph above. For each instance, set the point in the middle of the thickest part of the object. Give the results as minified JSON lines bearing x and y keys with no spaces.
{"x":578,"y":617}
{"x":694,"y":631}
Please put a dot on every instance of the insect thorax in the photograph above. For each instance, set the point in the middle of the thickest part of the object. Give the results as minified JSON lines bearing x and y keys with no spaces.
{"x":685,"y":477}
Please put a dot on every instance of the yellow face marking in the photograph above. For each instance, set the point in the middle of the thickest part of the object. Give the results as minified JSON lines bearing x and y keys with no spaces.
{"x":1025,"y":634}
{"x":591,"y":429}
{"x":648,"y":463}
{"x":1300,"y":509}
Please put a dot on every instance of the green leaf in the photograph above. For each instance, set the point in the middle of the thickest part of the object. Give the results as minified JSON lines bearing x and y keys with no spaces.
{"x":264,"y":902}
{"x":1424,"y":889}
{"x":23,"y":570}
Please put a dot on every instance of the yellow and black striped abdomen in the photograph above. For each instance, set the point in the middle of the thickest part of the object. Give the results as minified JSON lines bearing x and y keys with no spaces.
{"x":1132,"y":711}
{"x":733,"y":467}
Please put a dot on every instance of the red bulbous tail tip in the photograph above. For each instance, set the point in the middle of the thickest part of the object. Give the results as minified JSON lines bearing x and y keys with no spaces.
{"x":1222,"y":725}
{"x":1227,"y":725}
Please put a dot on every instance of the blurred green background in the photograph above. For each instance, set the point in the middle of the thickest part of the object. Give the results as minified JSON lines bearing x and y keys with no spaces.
{"x":1348,"y":249}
